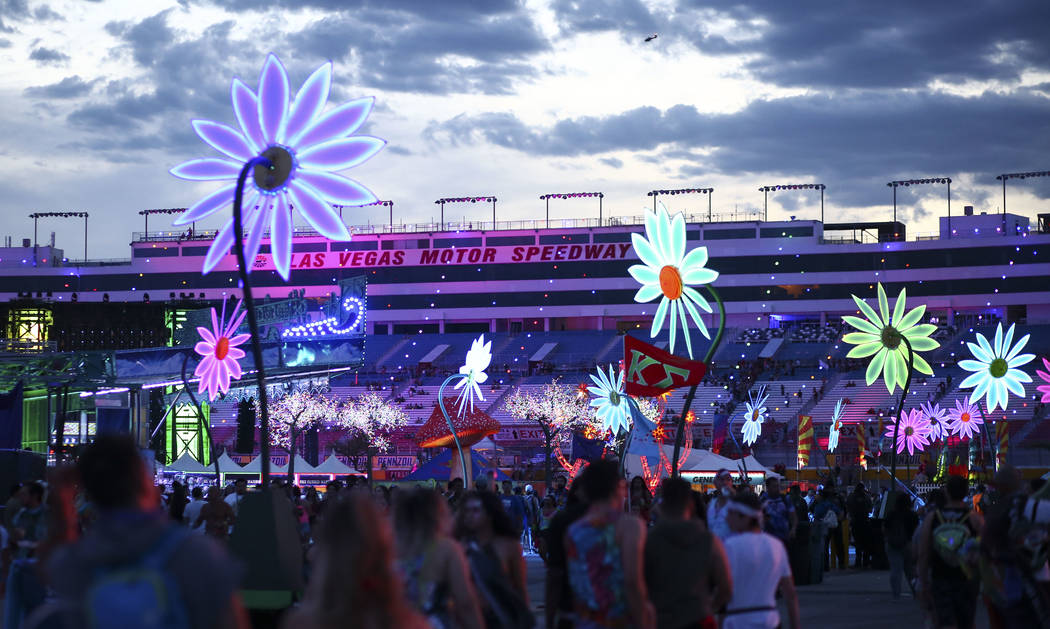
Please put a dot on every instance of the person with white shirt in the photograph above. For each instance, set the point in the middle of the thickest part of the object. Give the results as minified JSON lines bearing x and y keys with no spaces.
{"x":717,"y":508}
{"x":759,"y":567}
{"x":193,"y":509}
{"x":240,"y":487}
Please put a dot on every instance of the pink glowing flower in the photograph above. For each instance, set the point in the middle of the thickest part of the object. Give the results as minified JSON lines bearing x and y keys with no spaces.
{"x":914,"y":432}
{"x":936,"y":417}
{"x":1045,"y":376}
{"x":219,"y":352}
{"x":964,"y":419}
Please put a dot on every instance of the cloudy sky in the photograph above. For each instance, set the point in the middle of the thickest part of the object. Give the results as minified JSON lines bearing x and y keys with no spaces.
{"x":520,"y":98}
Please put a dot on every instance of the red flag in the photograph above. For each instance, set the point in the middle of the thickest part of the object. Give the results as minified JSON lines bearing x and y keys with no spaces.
{"x":651,"y":371}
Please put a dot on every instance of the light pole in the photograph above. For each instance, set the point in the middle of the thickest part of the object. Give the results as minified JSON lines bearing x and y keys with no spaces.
{"x":445,"y":200}
{"x":386,"y":204}
{"x":920,"y":182}
{"x":145,"y":214}
{"x":1030,"y":175}
{"x":572,"y":195}
{"x":707,"y":191}
{"x":765,"y":190}
{"x":39,"y":215}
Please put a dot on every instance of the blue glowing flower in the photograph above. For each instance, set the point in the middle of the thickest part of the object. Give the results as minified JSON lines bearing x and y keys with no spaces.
{"x":836,"y":426}
{"x":610,"y":401}
{"x":995,"y":371}
{"x":756,"y":414}
{"x":306,"y":148}
{"x":938,"y":418}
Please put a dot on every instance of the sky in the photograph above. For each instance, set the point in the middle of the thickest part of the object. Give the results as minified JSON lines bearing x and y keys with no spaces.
{"x":520,"y":98}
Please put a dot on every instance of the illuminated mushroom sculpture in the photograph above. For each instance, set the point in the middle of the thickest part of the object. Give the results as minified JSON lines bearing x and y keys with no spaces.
{"x":471,"y":426}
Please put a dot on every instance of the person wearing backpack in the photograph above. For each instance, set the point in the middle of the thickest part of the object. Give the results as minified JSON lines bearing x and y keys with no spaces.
{"x":135,"y":567}
{"x":897,"y":528}
{"x":780,"y":516}
{"x":947,"y":559}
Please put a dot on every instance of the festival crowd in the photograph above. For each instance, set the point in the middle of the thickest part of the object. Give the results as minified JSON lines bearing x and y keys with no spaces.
{"x":102,"y":547}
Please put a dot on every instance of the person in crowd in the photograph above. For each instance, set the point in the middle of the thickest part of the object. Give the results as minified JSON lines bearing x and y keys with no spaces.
{"x":559,"y":492}
{"x":193,"y":509}
{"x":548,"y":508}
{"x":858,"y":506}
{"x":781,"y":521}
{"x":216,"y":515}
{"x":686,"y":571}
{"x":559,"y":603}
{"x":799,"y":502}
{"x":433,"y":566}
{"x":605,"y":551}
{"x":30,"y":524}
{"x":898,"y":527}
{"x":513,"y":505}
{"x":947,"y":569}
{"x":133,"y":545}
{"x":240,"y":488}
{"x":177,"y":502}
{"x":640,"y":499}
{"x":494,"y":554}
{"x":716,"y":508}
{"x":354,"y":583}
{"x":758,"y":564}
{"x":454,"y":493}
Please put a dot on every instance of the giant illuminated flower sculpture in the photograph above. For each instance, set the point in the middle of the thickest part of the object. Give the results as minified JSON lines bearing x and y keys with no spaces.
{"x":913,"y":433}
{"x":473,"y":373}
{"x":937,"y":419}
{"x":305,"y":148}
{"x":610,"y":401}
{"x":836,"y":426}
{"x":996,"y":374}
{"x":755,"y":415}
{"x":219,"y":352}
{"x":881,"y":336}
{"x":1045,"y":377}
{"x":964,"y":420}
{"x":668,"y":272}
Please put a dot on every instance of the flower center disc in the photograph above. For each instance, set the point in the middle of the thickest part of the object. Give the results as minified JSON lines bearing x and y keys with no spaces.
{"x":222,"y":347}
{"x":965,"y":417}
{"x":998,"y":368}
{"x":614,"y":398}
{"x":671,"y":282}
{"x":909,"y":431}
{"x":891,"y":338}
{"x":754,"y":416}
{"x":277,"y":174}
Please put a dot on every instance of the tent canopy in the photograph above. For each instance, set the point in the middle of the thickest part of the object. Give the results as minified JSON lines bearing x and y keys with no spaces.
{"x":186,"y":464}
{"x":439,"y":467}
{"x":333,"y":465}
{"x":699,"y":461}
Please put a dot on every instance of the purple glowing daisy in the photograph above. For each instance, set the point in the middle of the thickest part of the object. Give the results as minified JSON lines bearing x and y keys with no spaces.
{"x":305,"y":147}
{"x":937,"y":420}
{"x":914,"y":432}
{"x":219,"y":352}
{"x":964,"y":420}
{"x":1045,"y":377}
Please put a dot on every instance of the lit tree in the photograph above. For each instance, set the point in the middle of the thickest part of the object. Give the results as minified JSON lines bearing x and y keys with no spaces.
{"x":558,"y":410}
{"x":292,"y":415}
{"x":371,"y":419}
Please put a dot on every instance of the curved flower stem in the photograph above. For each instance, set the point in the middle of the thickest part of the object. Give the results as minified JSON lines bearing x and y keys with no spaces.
{"x":993,"y":446}
{"x":200,"y":417}
{"x":249,"y":304}
{"x":679,"y":436}
{"x":451,"y":428}
{"x":900,"y":409}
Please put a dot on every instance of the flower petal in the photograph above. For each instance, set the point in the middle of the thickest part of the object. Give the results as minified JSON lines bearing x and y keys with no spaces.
{"x":224,"y":139}
{"x":1017,"y":361}
{"x":207,"y":335}
{"x":875,"y":367}
{"x":916,"y":331}
{"x":696,"y":257}
{"x":644,"y":274}
{"x":1018,"y":347}
{"x":337,"y":123}
{"x":697,"y":319}
{"x":972,"y":365}
{"x":207,"y":206}
{"x":336,"y":189}
{"x":273,"y":99}
{"x":219,"y":247}
{"x":309,"y":102}
{"x":919,"y":364}
{"x":699,"y":276}
{"x":864,"y":350}
{"x":923,"y":344}
{"x":246,"y":108}
{"x":203,"y":348}
{"x":676,"y":247}
{"x":889,"y":371}
{"x":648,"y":292}
{"x":281,"y":238}
{"x":319,"y":214}
{"x":658,"y":318}
{"x":863,"y":325}
{"x":258,"y":226}
{"x":672,"y":325}
{"x":868,"y":312}
{"x":861,"y":338}
{"x":208,"y":169}
{"x":342,"y":153}
{"x":899,"y":307}
{"x":997,"y":346}
{"x":910,"y":319}
{"x":694,"y":295}
{"x":645,"y":252}
{"x":884,"y":308}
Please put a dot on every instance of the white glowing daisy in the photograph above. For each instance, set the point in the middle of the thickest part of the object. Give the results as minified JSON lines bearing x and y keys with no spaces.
{"x":478,"y":358}
{"x":669,"y":272}
{"x":881,"y":335}
{"x":996,"y":374}
{"x":836,"y":426}
{"x":938,"y":418}
{"x":756,"y":414}
{"x":610,"y":401}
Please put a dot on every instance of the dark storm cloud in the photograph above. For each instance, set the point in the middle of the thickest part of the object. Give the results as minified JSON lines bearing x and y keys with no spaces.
{"x":863,"y":139}
{"x":897,"y":43}
{"x":415,"y":47}
{"x":69,"y":87}
{"x":48,"y":56}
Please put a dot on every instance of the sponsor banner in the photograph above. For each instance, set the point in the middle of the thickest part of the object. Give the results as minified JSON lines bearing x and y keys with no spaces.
{"x":443,"y":256}
{"x":394,"y":462}
{"x":651,"y":371}
{"x":520,"y":434}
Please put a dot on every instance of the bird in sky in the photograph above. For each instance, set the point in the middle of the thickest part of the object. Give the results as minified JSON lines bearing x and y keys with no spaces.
{"x":652,"y":37}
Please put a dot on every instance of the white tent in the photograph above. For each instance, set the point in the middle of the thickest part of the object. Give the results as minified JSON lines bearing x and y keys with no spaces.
{"x":700,"y":462}
{"x":332,"y":465}
{"x":302,"y":466}
{"x":227,"y":465}
{"x":186,"y":464}
{"x":255,"y":467}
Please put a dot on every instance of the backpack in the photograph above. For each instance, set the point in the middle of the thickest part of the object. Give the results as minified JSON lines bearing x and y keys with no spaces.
{"x":951,"y":537}
{"x":142,"y":594}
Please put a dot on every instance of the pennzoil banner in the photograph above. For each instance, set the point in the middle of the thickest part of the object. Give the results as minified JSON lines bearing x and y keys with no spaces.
{"x":650,"y":371}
